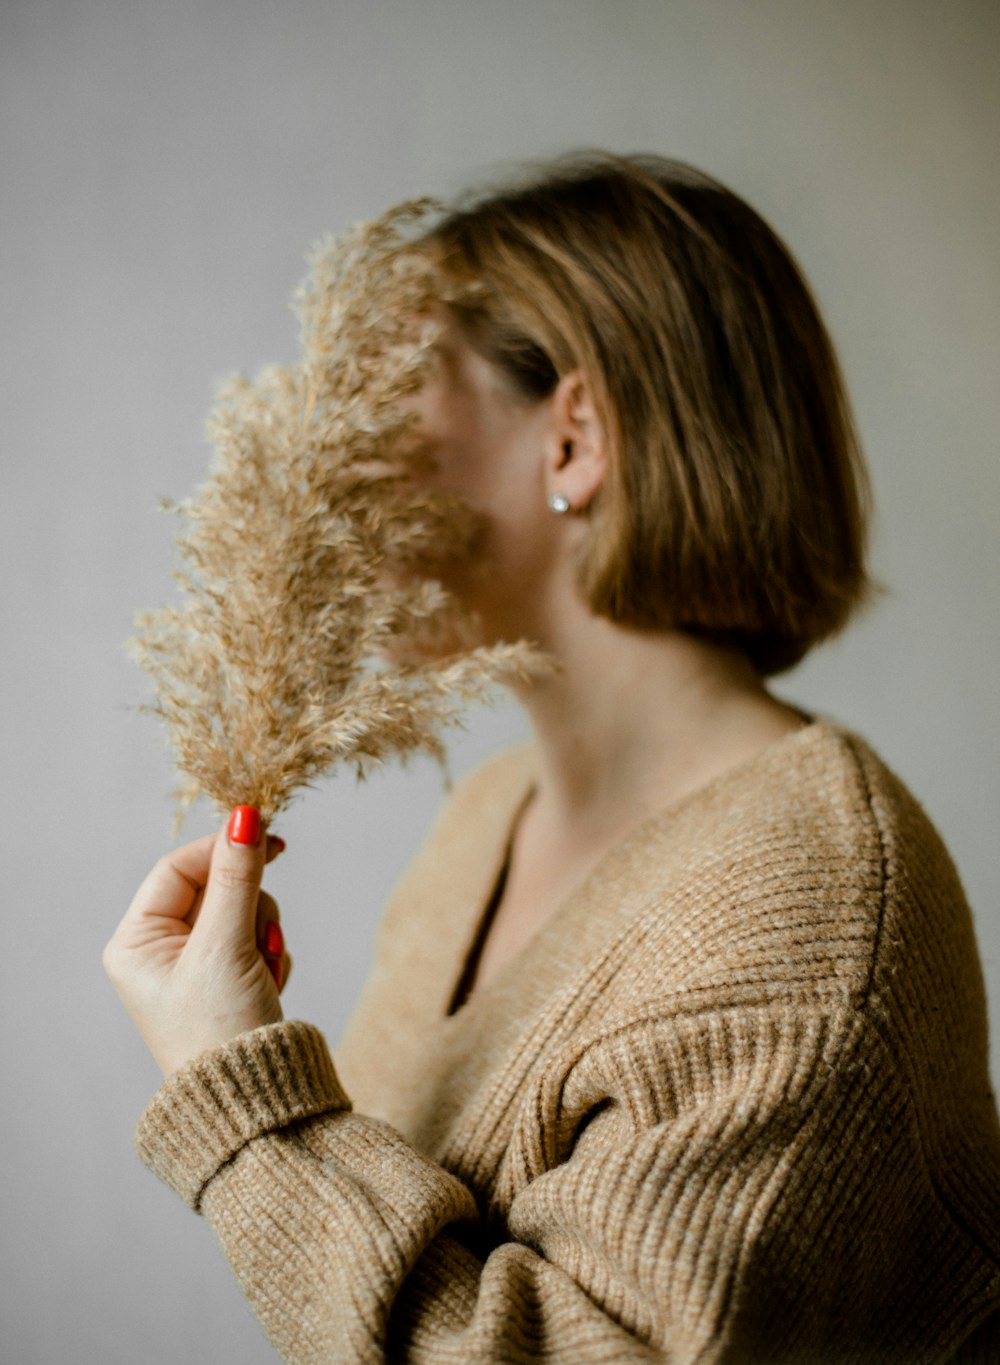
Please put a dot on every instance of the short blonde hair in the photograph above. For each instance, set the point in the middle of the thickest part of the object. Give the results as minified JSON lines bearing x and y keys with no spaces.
{"x":736,"y":502}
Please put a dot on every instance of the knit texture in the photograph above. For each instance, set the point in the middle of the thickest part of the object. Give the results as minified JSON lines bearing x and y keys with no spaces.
{"x":730,"y":1104}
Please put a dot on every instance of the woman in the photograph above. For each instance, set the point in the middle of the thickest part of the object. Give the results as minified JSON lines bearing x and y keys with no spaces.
{"x":675,"y":1047}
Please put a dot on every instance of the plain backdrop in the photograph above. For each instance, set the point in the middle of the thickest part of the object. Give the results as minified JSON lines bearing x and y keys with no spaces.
{"x":164,"y":169}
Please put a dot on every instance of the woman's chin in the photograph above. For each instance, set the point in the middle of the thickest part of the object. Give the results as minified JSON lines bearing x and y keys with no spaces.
{"x":421,"y":648}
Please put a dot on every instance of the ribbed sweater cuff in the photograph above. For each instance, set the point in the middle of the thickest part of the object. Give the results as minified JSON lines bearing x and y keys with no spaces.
{"x":213,"y":1106}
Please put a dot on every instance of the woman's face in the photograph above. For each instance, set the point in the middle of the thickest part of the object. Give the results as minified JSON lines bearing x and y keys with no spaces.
{"x":487,"y":447}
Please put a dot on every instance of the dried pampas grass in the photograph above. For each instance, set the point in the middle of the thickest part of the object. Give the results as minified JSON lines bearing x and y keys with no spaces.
{"x":274,"y":667}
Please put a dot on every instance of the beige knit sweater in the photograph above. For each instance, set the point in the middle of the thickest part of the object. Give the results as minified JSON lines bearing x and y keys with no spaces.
{"x":730,"y":1104}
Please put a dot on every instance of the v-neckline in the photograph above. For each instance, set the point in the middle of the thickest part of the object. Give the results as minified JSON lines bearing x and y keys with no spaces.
{"x":464,"y":994}
{"x":465,"y":986}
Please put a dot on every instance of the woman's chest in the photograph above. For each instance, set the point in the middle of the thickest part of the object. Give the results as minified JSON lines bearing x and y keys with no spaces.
{"x":508,"y":927}
{"x":540,"y":874}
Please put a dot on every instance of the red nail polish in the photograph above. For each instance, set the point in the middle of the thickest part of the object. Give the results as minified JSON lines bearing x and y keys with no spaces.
{"x":274,"y":939}
{"x":244,"y":825}
{"x":277,"y":843}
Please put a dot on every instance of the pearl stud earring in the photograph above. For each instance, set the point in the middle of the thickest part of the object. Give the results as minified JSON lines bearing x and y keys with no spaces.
{"x":559,"y":503}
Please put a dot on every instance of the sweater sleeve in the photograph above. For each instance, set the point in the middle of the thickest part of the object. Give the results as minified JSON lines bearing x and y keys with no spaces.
{"x":717,"y":1188}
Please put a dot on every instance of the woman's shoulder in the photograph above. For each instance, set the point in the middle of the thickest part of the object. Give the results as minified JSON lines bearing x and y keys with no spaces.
{"x":854,"y":800}
{"x":810,"y":869}
{"x":823,"y":797}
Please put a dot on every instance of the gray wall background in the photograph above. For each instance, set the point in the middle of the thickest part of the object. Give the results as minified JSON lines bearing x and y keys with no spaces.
{"x":164,"y":167}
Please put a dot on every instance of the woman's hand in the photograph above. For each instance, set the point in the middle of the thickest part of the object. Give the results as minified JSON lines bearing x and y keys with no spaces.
{"x":199,"y":956}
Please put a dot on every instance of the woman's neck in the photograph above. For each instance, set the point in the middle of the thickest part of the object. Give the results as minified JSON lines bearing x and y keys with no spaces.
{"x":637,"y":719}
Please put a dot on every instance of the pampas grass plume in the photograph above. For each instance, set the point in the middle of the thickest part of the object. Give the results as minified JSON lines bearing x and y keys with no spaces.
{"x":273,"y":667}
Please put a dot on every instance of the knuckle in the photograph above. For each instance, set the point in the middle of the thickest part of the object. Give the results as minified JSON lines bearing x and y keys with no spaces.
{"x":109,"y":958}
{"x":232,"y":878}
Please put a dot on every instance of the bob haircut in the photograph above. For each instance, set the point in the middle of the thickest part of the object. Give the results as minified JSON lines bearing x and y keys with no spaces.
{"x":736,"y":501}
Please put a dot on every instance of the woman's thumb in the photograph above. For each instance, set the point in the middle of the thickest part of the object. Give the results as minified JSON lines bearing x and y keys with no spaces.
{"x":229,"y":905}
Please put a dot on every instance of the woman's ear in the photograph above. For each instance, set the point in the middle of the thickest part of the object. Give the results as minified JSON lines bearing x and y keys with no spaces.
{"x":576,"y":457}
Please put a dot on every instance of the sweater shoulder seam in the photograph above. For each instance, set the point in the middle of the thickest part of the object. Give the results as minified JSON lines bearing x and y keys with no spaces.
{"x":851,"y":743}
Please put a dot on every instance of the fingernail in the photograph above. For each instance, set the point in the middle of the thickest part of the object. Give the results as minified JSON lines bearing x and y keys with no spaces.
{"x":277,"y":843}
{"x":274,"y":939}
{"x":244,"y":825}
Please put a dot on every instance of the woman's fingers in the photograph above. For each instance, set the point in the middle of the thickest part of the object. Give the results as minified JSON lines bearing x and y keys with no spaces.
{"x":174,"y":887}
{"x":274,"y":952}
{"x":270,"y":939}
{"x":186,"y":958}
{"x":174,"y":883}
{"x":274,"y":846}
